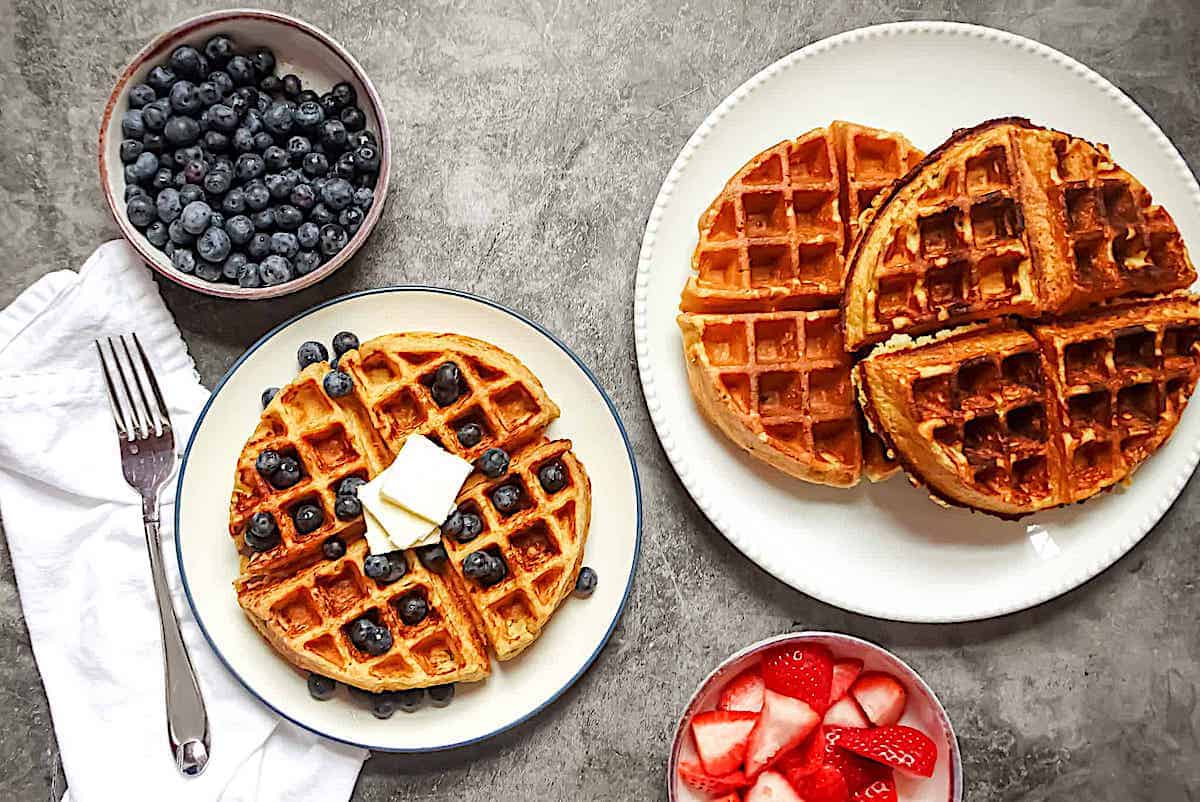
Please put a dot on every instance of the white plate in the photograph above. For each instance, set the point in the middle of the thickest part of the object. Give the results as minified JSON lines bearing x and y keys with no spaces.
{"x":517,"y":689}
{"x":885,"y":550}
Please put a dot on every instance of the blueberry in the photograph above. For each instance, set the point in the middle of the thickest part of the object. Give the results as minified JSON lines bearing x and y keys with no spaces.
{"x":278,"y":119}
{"x":441,"y":695}
{"x":351,"y":219}
{"x":507,"y":499}
{"x":347,"y":508}
{"x":234,"y":202}
{"x":259,"y":246}
{"x":308,"y":518}
{"x":307,"y":96}
{"x":366,"y":159}
{"x":140,"y":211}
{"x":262,"y":141}
{"x":154,"y":143}
{"x":263,"y":60}
{"x":308,"y":115}
{"x":262,"y":102}
{"x":177,"y":235}
{"x":360,"y":138}
{"x":264,"y":220}
{"x":217,"y":182}
{"x":413,"y":609}
{"x":445,"y":394}
{"x":162,"y":179}
{"x":284,"y":243}
{"x":484,"y":568}
{"x":410,"y":700}
{"x":208,"y":93}
{"x":333,"y":134}
{"x":132,"y":125}
{"x":344,"y":94}
{"x":256,"y":193}
{"x":186,"y":60}
{"x":268,"y":462}
{"x":223,"y":118}
{"x":306,"y":262}
{"x":278,"y":184}
{"x":383,"y":705}
{"x":287,"y":475}
{"x":377,"y":641}
{"x":585,"y":585}
{"x":270,"y":83}
{"x":268,"y":395}
{"x":289,"y":218}
{"x":181,"y":130}
{"x":240,"y":70}
{"x":134,"y":191}
{"x":472,"y":527}
{"x":291,"y":85}
{"x":452,"y":526}
{"x":344,"y":166}
{"x":140,"y":95}
{"x":249,"y":276}
{"x":469,"y":435}
{"x":156,"y":232}
{"x":308,"y":234}
{"x":154,"y":115}
{"x":385,"y":568}
{"x":195,"y":217}
{"x":219,"y":49}
{"x":333,"y":239}
{"x":493,"y":463}
{"x":183,"y":260}
{"x":208,"y":271}
{"x":350,"y":485}
{"x":333,"y":547}
{"x":161,"y":78}
{"x":315,"y":164}
{"x":213,"y":245}
{"x":353,"y":118}
{"x":185,"y":98}
{"x":190,"y":193}
{"x":553,"y":477}
{"x":239,"y":228}
{"x":329,"y":104}
{"x":337,"y":194}
{"x":262,"y":533}
{"x":303,"y":198}
{"x":145,"y":167}
{"x":297,"y":148}
{"x":194,"y":171}
{"x":215,"y":142}
{"x":322,"y":215}
{"x":337,"y":384}
{"x":364,"y":197}
{"x":433,"y":557}
{"x":357,"y":631}
{"x":276,"y":269}
{"x":321,"y":688}
{"x":242,"y":140}
{"x":310,"y":353}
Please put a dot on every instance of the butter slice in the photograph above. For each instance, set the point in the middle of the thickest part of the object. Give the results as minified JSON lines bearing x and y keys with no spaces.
{"x":401,"y":528}
{"x":378,"y":541}
{"x":424,"y":479}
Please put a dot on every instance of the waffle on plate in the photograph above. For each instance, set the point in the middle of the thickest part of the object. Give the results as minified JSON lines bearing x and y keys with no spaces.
{"x":303,"y":603}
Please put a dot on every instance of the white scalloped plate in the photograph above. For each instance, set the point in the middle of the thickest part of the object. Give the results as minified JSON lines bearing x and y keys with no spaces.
{"x":885,"y":550}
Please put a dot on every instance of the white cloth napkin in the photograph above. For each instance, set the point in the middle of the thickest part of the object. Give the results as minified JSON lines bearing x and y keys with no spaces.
{"x":75,"y":533}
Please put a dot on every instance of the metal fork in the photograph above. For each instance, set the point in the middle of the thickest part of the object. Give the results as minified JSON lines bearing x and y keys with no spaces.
{"x":147,"y":459}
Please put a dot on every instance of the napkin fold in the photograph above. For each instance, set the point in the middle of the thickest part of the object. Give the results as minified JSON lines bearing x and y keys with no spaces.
{"x":75,"y":533}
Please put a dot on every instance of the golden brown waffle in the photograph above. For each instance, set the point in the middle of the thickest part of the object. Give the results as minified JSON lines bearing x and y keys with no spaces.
{"x":1007,"y":219}
{"x":541,"y":543}
{"x":773,"y":242}
{"x":1010,"y":421}
{"x":306,"y":616}
{"x":778,"y":385}
{"x":301,"y":602}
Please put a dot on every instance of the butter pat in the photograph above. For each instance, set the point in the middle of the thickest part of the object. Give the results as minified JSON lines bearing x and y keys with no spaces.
{"x":378,"y":541}
{"x":424,"y":480}
{"x":400,"y":529}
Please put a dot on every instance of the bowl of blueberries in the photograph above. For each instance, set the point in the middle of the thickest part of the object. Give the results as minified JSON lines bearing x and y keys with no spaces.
{"x":244,"y":154}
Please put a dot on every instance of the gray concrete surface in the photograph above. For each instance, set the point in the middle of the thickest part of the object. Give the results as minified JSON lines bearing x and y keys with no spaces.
{"x":531,"y":137}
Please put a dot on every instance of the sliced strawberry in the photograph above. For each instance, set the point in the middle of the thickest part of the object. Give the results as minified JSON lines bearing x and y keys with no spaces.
{"x":721,"y":737}
{"x":805,"y":758}
{"x":694,"y":775}
{"x":880,"y":696}
{"x":783,"y":724}
{"x":882,"y":790}
{"x":803,"y":672}
{"x":825,"y":784}
{"x":844,"y":674}
{"x":896,"y":746}
{"x":846,"y":713}
{"x":772,"y":787}
{"x":744,"y":692}
{"x":857,"y":771}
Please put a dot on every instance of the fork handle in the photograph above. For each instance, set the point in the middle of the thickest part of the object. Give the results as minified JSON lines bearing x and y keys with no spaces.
{"x":187,"y":720}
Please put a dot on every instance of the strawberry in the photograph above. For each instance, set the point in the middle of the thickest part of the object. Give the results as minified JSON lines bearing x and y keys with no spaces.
{"x":883,"y":790}
{"x":896,"y":746}
{"x":844,"y":674}
{"x":846,"y":713}
{"x":823,"y":785}
{"x":772,"y":787}
{"x":805,"y":758}
{"x":694,"y":775}
{"x":784,"y":723}
{"x":880,"y":696}
{"x":803,"y":672}
{"x":721,"y":737}
{"x":744,"y":692}
{"x":857,"y":771}
{"x":733,"y":796}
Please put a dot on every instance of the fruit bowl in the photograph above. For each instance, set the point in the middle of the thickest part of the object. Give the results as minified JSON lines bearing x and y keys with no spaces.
{"x":300,"y":49}
{"x":922,"y":711}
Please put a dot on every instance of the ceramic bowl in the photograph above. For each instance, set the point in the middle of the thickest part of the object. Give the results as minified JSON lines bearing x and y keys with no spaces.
{"x":299,"y":48}
{"x":924,"y":712}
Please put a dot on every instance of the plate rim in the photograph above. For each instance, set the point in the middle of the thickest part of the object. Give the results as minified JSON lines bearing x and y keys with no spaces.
{"x":663,"y":427}
{"x":405,"y":288}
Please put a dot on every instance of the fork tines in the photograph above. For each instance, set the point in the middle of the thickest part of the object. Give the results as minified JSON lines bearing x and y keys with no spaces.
{"x":137,"y":404}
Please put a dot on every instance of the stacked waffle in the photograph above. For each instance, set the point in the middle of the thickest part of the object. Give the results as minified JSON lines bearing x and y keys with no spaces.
{"x":1044,"y":374}
{"x":304,"y":602}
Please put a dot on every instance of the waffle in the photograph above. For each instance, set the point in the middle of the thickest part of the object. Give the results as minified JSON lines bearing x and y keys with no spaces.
{"x":1011,"y":420}
{"x":1007,"y":219}
{"x":772,"y":245}
{"x":302,"y":602}
{"x":541,"y":543}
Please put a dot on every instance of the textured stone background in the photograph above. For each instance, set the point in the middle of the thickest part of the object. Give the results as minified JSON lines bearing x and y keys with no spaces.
{"x":530,"y":140}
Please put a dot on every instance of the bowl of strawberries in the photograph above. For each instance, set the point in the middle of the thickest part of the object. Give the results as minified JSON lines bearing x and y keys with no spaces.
{"x":814,"y":717}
